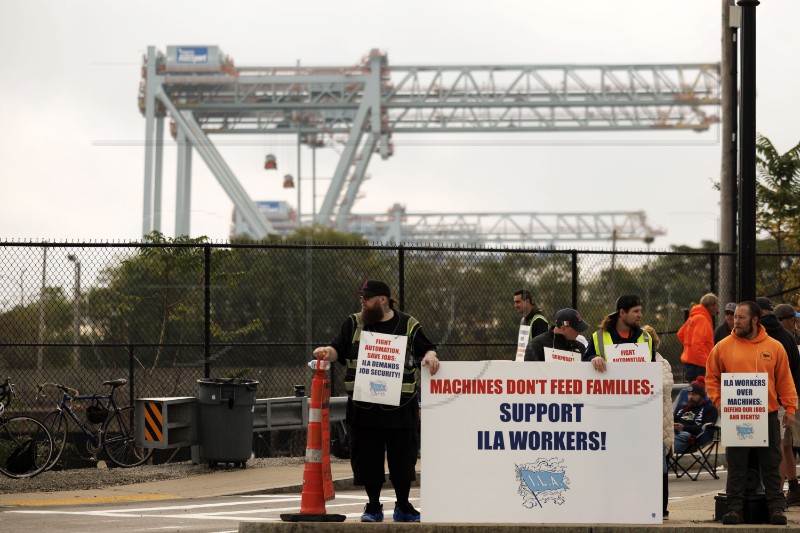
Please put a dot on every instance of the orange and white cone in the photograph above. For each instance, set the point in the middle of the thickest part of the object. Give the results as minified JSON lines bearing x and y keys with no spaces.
{"x":317,"y":479}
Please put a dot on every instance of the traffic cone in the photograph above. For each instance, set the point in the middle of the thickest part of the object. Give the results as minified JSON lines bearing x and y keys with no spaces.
{"x":317,"y":479}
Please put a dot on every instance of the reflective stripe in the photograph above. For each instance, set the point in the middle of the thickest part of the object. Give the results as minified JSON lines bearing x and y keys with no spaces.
{"x":314,"y":415}
{"x":313,"y":456}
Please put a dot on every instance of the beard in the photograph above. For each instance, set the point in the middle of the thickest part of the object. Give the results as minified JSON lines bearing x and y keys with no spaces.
{"x":371,"y":315}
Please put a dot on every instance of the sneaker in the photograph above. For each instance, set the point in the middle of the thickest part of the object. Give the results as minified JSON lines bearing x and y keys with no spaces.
{"x":777,"y":518}
{"x":793,"y":495}
{"x":406,"y":514}
{"x":665,"y":515}
{"x":373,"y":513}
{"x":732,"y":518}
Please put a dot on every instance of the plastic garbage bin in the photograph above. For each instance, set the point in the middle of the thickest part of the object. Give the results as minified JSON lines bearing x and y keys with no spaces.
{"x":225,"y":431}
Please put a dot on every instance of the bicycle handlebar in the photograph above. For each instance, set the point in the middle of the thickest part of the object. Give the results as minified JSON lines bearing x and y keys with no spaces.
{"x":63,"y":388}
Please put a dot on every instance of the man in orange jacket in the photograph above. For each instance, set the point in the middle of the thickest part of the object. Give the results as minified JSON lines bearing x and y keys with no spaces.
{"x":697,"y":337}
{"x":749,"y":349}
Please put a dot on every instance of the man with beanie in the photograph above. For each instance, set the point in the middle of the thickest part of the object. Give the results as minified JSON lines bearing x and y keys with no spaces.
{"x":622,"y":326}
{"x":697,"y":336}
{"x":750,"y":350}
{"x":561,"y":336}
{"x":690,"y":417}
{"x":383,"y":432}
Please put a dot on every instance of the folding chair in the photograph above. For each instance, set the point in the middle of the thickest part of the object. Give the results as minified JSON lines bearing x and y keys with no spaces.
{"x":702,"y":458}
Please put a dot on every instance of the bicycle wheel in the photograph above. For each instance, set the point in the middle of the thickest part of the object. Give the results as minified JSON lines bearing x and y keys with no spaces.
{"x":25,"y":447}
{"x":56,"y":424}
{"x":119,"y":440}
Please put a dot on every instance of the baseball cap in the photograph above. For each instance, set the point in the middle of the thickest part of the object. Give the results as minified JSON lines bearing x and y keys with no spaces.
{"x":784,"y":311}
{"x":572,"y":318}
{"x":730,"y":307}
{"x":626,"y":301}
{"x":764,"y":303}
{"x":373,"y":287}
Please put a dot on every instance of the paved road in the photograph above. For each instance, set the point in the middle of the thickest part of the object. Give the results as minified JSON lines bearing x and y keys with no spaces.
{"x":224,"y":513}
{"x":220,"y":514}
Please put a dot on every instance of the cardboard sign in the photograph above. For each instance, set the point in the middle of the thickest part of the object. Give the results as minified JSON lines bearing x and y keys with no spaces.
{"x":542,"y":443}
{"x":561,"y":356}
{"x":379,"y":372}
{"x":628,"y":353}
{"x":744,"y":403}
{"x":522,"y":341}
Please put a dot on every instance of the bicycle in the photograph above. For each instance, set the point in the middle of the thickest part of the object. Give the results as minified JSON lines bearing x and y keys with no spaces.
{"x":25,"y":444}
{"x":117,"y":425}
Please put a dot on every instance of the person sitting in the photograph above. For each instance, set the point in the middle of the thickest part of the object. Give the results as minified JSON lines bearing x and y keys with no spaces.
{"x":691,"y":416}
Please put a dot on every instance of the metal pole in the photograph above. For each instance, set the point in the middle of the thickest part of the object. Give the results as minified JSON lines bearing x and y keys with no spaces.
{"x":729,"y":72}
{"x":299,"y":209}
{"x":207,"y":311}
{"x":40,"y":349}
{"x":747,"y":153}
{"x":574,"y":279}
{"x":76,"y":312}
{"x":314,"y":184}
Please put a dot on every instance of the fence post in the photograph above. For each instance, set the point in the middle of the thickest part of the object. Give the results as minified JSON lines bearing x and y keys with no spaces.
{"x":574,"y":279}
{"x":131,"y":387}
{"x":401,"y":267}
{"x":712,"y":261}
{"x":207,"y":311}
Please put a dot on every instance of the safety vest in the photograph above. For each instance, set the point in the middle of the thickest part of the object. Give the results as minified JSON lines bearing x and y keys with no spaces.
{"x":408,"y":324}
{"x":600,"y":347}
{"x":534,"y":318}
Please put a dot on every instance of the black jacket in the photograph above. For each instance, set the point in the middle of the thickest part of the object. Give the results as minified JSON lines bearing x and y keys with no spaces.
{"x":694,"y":418}
{"x":776,"y":331}
{"x":534,"y":351}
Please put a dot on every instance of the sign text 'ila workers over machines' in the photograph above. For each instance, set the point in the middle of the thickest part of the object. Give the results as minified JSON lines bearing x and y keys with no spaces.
{"x":542,"y":443}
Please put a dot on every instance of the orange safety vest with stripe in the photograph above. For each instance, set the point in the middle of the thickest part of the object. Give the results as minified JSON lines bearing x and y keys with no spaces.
{"x":408,"y":325}
{"x":600,"y":347}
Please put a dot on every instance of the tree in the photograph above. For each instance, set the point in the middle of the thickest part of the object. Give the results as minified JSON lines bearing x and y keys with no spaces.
{"x":777,"y":193}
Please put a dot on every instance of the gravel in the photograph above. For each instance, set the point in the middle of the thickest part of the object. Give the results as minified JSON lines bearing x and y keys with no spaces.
{"x":101,"y":476}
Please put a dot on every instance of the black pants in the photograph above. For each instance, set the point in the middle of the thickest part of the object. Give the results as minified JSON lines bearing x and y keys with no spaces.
{"x":370,"y":446}
{"x":769,"y":460}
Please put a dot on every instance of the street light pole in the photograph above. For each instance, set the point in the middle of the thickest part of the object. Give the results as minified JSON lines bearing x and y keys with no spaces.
{"x":76,"y":312}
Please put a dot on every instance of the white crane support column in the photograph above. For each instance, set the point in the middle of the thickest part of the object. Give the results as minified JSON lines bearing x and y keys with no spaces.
{"x":355,"y":181}
{"x":150,"y":110}
{"x":159,"y":182}
{"x":258,"y":225}
{"x":183,"y":194}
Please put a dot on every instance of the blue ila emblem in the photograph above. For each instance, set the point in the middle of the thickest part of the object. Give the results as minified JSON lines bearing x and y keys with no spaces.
{"x":542,"y":481}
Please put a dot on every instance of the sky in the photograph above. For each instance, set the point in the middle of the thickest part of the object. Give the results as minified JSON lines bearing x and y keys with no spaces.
{"x":72,"y":142}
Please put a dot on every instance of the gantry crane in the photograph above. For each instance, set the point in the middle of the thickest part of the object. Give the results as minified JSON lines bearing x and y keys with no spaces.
{"x":363,"y":106}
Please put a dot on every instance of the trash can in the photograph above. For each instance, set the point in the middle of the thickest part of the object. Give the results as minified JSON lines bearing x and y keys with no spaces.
{"x":225,"y":431}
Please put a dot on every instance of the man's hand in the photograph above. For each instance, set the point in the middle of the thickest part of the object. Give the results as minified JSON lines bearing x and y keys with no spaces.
{"x":678,"y":427}
{"x":788,"y":420}
{"x":326,"y":353}
{"x":431,"y":361}
{"x":599,"y":364}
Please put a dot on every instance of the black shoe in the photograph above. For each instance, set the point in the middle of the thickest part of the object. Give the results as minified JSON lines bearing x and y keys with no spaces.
{"x":777,"y":518}
{"x":732,"y":518}
{"x":372,"y":513}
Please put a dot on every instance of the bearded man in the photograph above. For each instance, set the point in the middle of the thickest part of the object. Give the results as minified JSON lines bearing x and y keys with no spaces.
{"x":690,"y":417}
{"x":622,"y":326}
{"x":383,"y":432}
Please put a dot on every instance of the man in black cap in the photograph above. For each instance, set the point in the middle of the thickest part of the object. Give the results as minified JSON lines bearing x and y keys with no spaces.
{"x":785,"y":314}
{"x":381,"y":432}
{"x":622,"y":326}
{"x":562,"y":336}
{"x":726,"y":326}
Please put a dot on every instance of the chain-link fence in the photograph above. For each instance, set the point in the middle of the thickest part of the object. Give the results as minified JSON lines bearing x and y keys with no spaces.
{"x":165,"y":315}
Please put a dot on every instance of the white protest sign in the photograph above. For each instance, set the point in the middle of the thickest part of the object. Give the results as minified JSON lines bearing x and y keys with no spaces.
{"x":561,"y":356}
{"x":379,"y":372}
{"x":628,"y":353}
{"x":542,"y":443}
{"x":743,"y":407}
{"x":522,"y":341}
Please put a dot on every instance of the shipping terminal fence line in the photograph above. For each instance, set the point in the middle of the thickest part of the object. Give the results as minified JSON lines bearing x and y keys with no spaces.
{"x":165,"y":314}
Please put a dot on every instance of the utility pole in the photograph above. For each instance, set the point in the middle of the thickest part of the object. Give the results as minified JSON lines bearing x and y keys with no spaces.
{"x":731,"y":20}
{"x":747,"y":153}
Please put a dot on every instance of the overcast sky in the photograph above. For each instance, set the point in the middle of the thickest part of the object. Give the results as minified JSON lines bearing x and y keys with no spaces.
{"x":72,"y":151}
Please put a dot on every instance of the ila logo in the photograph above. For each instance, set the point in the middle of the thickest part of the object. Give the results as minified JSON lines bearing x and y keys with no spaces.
{"x":542,"y":481}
